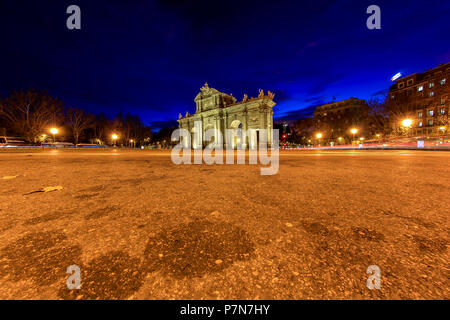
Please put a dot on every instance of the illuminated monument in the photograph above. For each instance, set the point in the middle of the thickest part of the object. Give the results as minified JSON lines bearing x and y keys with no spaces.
{"x":220,"y":111}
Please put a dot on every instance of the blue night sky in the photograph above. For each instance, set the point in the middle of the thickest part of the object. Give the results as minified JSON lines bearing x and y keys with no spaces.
{"x":151,"y":57}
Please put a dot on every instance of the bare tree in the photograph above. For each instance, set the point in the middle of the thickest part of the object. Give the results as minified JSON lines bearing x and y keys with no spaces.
{"x":132,"y":129}
{"x":30,"y":113}
{"x":78,"y":121}
{"x":379,"y":121}
{"x":101,"y":127}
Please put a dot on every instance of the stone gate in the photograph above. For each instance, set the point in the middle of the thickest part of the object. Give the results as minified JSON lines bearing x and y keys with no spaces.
{"x":220,"y":111}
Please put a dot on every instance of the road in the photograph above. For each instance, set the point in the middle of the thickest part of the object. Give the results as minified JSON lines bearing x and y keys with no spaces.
{"x":140,"y":227}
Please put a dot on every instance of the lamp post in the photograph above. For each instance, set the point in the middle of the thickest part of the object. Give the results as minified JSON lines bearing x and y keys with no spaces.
{"x":353,"y":131}
{"x":114,"y":137}
{"x":54,"y":132}
{"x":407,"y":123}
{"x":319,"y":136}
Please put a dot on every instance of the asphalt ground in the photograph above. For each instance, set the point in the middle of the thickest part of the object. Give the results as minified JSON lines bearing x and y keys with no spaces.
{"x":140,"y":227}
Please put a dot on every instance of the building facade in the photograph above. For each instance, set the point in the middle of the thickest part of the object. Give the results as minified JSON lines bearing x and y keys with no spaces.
{"x":334,"y":120}
{"x":351,"y":105}
{"x":424,"y":98}
{"x":220,"y":111}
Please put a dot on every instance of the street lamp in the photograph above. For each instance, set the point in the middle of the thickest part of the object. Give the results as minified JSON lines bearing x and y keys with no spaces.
{"x":353,"y":131}
{"x":54,"y":132}
{"x":114,"y":137}
{"x":132,"y":143}
{"x":319,"y":136}
{"x":407,"y":123}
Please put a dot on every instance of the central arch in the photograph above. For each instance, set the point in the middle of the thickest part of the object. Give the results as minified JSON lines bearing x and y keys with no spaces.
{"x":238,"y":137}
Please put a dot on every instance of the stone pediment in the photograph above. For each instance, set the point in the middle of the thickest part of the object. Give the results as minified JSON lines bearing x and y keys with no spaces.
{"x":206,"y":92}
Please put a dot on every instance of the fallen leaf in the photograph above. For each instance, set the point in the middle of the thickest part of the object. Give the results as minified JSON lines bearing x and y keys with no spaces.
{"x":46,"y":189}
{"x":9,"y":177}
{"x":50,"y":189}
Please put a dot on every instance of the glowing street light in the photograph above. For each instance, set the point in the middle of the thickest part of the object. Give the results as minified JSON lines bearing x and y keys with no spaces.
{"x":407,"y":123}
{"x":442,"y":128}
{"x":114,"y":137}
{"x":319,"y":136}
{"x":54,"y":132}
{"x":353,"y":131}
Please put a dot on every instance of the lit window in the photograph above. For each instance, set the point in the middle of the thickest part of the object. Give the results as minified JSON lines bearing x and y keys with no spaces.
{"x":431,"y":94}
{"x":420,"y":123}
{"x":443,"y":82}
{"x":431,"y":85}
{"x":420,"y":88}
{"x":430,"y":122}
{"x":442,"y":111}
{"x":430,"y":112}
{"x":419,"y":114}
{"x":392,"y":97}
